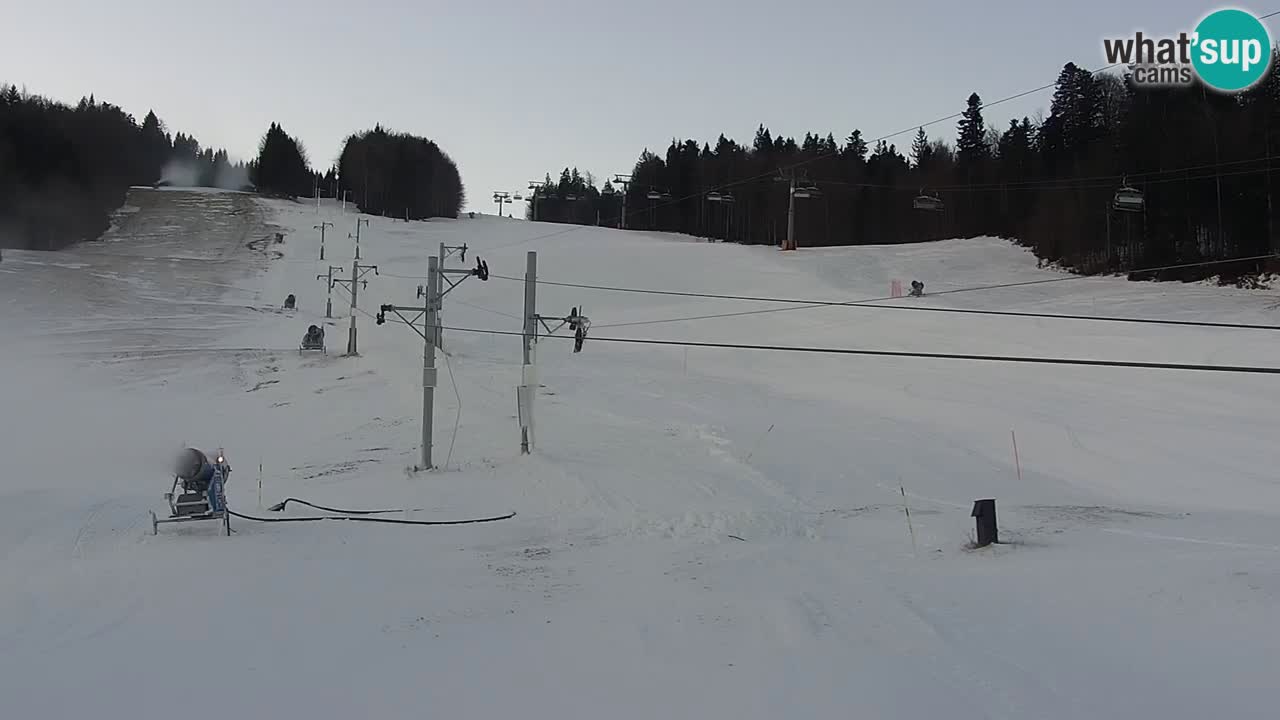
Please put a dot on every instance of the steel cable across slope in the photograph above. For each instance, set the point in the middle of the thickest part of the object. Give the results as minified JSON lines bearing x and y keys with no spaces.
{"x":1015,"y":359}
{"x":802,"y":304}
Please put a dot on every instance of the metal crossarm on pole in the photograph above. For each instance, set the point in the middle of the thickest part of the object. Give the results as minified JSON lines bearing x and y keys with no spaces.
{"x":352,"y":284}
{"x":447,"y":251}
{"x":321,"y":227}
{"x":526,"y":392}
{"x":356,"y":237}
{"x":330,"y":282}
{"x":429,"y":313}
{"x":398,"y":311}
{"x":576,"y":321}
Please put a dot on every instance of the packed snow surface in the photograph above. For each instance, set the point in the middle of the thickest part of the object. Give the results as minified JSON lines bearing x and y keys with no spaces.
{"x":700,"y":533}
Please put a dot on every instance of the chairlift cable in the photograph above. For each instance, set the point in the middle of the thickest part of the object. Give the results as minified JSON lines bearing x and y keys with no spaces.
{"x":806,"y":161}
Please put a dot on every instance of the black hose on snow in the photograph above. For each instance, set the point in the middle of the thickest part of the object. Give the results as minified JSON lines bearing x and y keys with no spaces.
{"x":281,"y":505}
{"x":388,"y":521}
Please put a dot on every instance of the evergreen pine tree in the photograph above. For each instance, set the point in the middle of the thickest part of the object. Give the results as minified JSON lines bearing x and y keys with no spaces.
{"x":921,"y":150}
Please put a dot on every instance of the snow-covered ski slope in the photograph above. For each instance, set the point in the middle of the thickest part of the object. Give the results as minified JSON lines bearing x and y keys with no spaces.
{"x":701,"y":533}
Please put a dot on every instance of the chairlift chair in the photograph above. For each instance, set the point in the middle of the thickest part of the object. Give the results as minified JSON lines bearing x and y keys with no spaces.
{"x":654,"y":195}
{"x":928,"y":203}
{"x":1128,"y":199}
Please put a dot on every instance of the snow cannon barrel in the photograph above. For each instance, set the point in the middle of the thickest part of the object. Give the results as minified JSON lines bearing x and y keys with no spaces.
{"x":191,"y":464}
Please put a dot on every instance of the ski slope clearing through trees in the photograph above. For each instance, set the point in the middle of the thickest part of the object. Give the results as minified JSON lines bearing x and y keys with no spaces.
{"x":700,"y":532}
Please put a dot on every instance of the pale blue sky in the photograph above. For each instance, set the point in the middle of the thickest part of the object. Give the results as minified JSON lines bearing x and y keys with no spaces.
{"x":512,"y":90}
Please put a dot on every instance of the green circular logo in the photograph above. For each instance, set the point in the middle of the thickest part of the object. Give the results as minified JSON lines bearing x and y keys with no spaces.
{"x":1232,"y":50}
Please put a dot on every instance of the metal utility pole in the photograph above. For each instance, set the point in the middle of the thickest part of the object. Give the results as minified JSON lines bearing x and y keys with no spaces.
{"x":328,"y":301}
{"x":536,"y":190}
{"x":625,"y":182}
{"x":791,"y":216}
{"x":430,"y":333}
{"x":528,"y":389}
{"x":481,"y":270}
{"x":500,"y":198}
{"x":803,"y":189}
{"x":427,"y":312}
{"x":356,"y":237}
{"x":355,"y":285}
{"x":528,"y":381}
{"x":429,"y":363}
{"x":321,"y":228}
{"x":727,"y":200}
{"x":358,"y":272}
{"x":439,"y":320}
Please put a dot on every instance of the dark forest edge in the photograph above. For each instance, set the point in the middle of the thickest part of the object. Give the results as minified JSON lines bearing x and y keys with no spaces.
{"x":64,"y":170}
{"x":1203,"y":162}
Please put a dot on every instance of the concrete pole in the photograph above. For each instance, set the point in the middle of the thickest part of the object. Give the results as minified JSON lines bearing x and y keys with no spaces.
{"x":429,"y":362}
{"x":355,"y":289}
{"x":439,"y":296}
{"x":622,"y":224}
{"x":322,"y":226}
{"x":791,"y":217}
{"x":530,"y":328}
{"x":328,"y":300}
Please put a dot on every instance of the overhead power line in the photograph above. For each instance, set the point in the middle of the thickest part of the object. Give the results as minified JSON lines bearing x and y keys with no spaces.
{"x":1246,"y":369}
{"x":801,"y":304}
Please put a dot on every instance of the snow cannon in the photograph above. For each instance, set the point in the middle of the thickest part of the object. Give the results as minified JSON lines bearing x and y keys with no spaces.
{"x":203,"y":495}
{"x":313,"y":340}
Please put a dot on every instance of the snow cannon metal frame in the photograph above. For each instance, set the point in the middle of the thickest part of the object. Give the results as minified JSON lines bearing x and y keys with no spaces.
{"x":309,"y":344}
{"x":196,"y":502}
